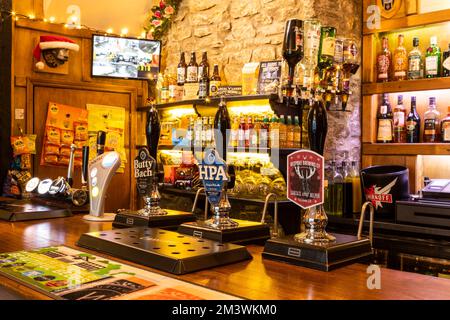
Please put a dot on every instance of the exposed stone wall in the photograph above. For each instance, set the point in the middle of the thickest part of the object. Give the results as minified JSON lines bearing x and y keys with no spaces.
{"x":234,"y":32}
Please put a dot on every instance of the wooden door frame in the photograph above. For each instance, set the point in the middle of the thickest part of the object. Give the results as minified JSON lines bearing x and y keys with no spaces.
{"x":130,"y":90}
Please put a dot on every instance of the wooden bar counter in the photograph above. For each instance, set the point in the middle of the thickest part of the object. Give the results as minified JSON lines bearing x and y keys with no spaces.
{"x":254,"y":279}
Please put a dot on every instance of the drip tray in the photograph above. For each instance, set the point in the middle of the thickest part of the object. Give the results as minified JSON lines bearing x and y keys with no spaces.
{"x":164,"y":250}
{"x":23,"y":210}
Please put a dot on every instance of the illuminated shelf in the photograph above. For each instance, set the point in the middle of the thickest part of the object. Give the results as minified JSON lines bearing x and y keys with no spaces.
{"x":406,"y":149}
{"x":406,"y":86}
{"x":206,"y":102}
{"x":411,"y":21}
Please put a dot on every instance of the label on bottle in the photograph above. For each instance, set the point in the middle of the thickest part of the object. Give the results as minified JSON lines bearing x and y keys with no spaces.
{"x":263,"y":137}
{"x":192,"y":74}
{"x":399,"y":119}
{"x":414,"y":67}
{"x":411,"y":132}
{"x":203,"y":90}
{"x":383,"y":67}
{"x":446,"y":131}
{"x":214,"y":88}
{"x":350,"y":51}
{"x":312,"y":42}
{"x":164,"y":93}
{"x":383,"y":109}
{"x":430,"y":126}
{"x":431,"y":65}
{"x":181,"y":75}
{"x":241,"y":135}
{"x":172,"y":91}
{"x":446,"y":64}
{"x":200,"y":72}
{"x":384,"y":130}
{"x":399,"y":70}
{"x":328,"y":46}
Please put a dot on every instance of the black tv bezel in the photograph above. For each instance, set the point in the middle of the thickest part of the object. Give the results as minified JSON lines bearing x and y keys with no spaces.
{"x":115,"y":36}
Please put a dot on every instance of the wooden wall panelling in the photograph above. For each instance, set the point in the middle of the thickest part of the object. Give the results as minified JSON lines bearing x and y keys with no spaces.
{"x":369,"y":114}
{"x":369,"y":51}
{"x":121,"y":192}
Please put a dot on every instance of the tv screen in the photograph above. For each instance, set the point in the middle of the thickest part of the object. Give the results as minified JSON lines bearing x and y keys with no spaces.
{"x":128,"y":58}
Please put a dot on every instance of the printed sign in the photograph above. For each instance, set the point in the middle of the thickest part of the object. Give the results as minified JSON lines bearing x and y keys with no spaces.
{"x":229,"y":91}
{"x":379,"y":195}
{"x":64,"y":273}
{"x":143,"y":170}
{"x":213,"y":173}
{"x":305,"y":178}
{"x":389,"y":8}
{"x":269,"y":76}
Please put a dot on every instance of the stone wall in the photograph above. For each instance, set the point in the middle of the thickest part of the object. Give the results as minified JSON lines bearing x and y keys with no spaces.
{"x":234,"y":32}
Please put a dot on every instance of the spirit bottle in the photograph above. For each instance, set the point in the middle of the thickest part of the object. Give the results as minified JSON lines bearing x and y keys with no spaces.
{"x":385,"y":121}
{"x":415,"y":61}
{"x":446,"y":62}
{"x":400,"y":121}
{"x":326,"y":49}
{"x":400,"y":63}
{"x":445,"y":127}
{"x":431,"y":122}
{"x":433,"y":59}
{"x":384,"y":62}
{"x":413,"y":124}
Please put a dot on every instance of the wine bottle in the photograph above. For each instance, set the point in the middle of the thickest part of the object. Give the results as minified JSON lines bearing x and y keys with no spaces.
{"x":413,"y":124}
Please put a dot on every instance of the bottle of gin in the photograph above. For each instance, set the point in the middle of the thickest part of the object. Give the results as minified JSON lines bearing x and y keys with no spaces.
{"x":445,"y":127}
{"x":415,"y":61}
{"x":433,"y":59}
{"x":431,"y":120}
{"x":400,"y":61}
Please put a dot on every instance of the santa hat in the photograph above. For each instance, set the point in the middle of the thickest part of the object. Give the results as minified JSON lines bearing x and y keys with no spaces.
{"x":52,"y":42}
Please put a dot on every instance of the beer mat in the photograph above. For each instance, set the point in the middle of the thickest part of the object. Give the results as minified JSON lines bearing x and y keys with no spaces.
{"x":61,"y":272}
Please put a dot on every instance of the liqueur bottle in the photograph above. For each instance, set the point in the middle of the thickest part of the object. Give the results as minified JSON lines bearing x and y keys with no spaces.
{"x":433,"y":59}
{"x":384,"y":62}
{"x":431,"y":122}
{"x":385,"y":121}
{"x":445,"y":127}
{"x":326,"y":49}
{"x":400,"y":63}
{"x":400,"y":121}
{"x":181,"y":70}
{"x":413,"y":124}
{"x":415,"y":61}
{"x":192,"y":69}
{"x":446,"y":62}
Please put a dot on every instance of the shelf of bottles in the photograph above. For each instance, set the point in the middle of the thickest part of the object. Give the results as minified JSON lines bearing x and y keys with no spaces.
{"x":408,"y":87}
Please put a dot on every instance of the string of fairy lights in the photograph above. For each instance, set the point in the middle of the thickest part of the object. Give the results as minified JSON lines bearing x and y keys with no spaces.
{"x":74,"y":23}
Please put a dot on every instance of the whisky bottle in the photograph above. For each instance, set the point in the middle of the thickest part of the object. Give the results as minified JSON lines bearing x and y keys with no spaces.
{"x":413,"y":124}
{"x":192,"y":69}
{"x":181,"y":70}
{"x":326,"y":49}
{"x":433,"y":59}
{"x":399,"y":121}
{"x":415,"y":61}
{"x":431,"y":122}
{"x":385,"y":121}
{"x":384,"y":62}
{"x":400,"y":63}
{"x":445,"y":127}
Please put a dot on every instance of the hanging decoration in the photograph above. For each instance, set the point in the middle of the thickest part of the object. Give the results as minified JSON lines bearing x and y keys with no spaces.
{"x":161,"y":17}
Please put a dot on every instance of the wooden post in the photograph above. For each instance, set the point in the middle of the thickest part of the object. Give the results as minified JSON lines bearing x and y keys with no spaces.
{"x":5,"y":88}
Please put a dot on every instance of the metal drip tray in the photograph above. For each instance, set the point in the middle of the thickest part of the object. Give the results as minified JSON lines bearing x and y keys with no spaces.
{"x":165,"y":250}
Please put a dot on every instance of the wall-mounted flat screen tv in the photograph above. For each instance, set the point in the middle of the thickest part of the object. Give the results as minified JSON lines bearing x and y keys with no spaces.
{"x":129,"y":58}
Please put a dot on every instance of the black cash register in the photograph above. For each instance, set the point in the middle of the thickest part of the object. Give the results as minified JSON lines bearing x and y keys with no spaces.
{"x":430,"y":208}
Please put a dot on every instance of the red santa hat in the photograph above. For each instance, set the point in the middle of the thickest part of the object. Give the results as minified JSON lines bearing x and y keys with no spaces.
{"x":52,"y":42}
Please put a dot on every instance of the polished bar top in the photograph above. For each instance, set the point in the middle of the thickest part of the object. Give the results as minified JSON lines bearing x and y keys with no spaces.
{"x":254,"y":279}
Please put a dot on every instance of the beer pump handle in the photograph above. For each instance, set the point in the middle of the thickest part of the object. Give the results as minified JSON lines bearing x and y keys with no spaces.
{"x":231,"y":177}
{"x":71,"y":164}
{"x":101,"y":139}
{"x":153,"y":130}
{"x":84,"y":165}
